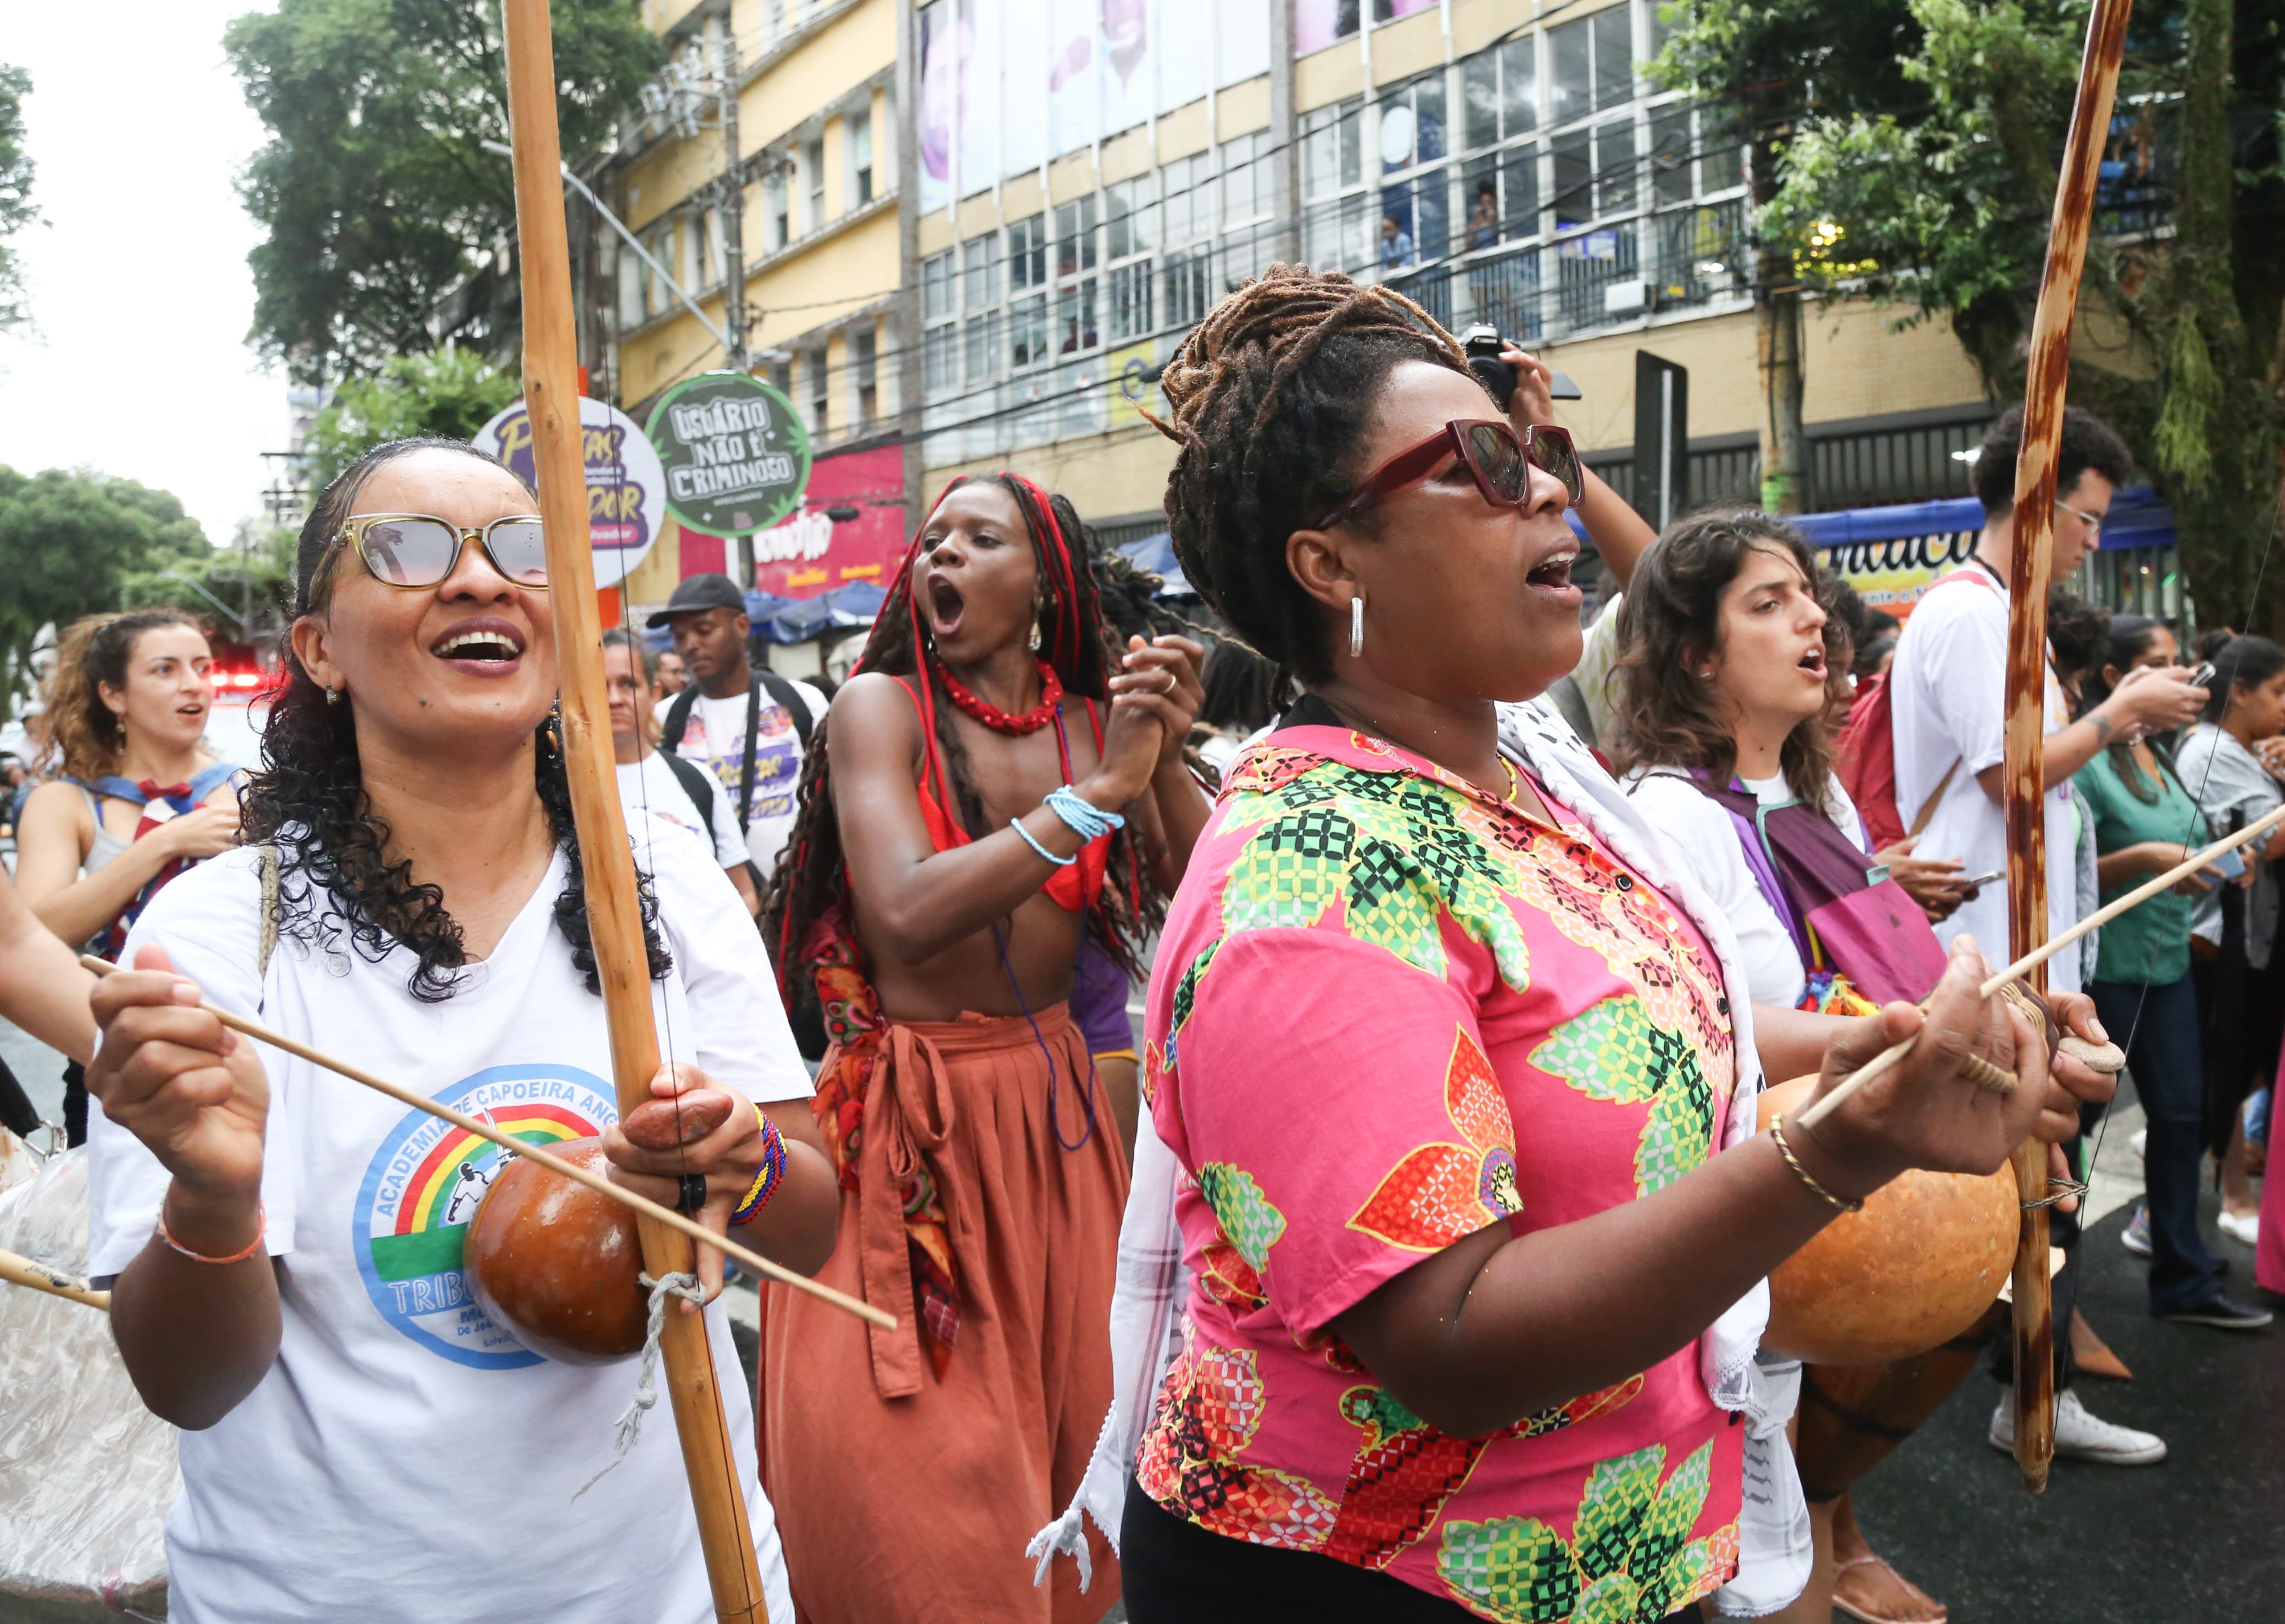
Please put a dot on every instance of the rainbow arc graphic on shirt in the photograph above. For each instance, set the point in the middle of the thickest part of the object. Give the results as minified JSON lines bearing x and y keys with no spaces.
{"x":423,"y":1243}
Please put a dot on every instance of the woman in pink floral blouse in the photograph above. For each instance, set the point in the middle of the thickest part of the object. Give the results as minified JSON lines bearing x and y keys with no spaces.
{"x":1444,"y":1055}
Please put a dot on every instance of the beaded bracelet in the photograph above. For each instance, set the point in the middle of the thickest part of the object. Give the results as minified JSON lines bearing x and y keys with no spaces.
{"x":1838,"y":1203}
{"x":1088,"y":820}
{"x":1033,"y":841}
{"x":261,"y":1231}
{"x":768,"y":1176}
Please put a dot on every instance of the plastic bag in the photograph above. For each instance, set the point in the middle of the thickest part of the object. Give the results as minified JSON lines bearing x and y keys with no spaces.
{"x":87,"y":1474}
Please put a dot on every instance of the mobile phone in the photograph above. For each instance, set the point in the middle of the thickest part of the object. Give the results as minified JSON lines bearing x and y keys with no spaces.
{"x":2229,"y":865}
{"x":2202,"y":678}
{"x":1982,"y":880}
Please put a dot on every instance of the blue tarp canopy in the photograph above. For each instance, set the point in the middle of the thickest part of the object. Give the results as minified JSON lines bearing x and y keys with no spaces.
{"x":797,"y":620}
{"x":2137,"y":519}
{"x":1156,"y":553}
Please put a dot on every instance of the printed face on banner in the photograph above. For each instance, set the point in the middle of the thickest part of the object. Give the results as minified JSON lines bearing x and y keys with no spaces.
{"x":626,"y":501}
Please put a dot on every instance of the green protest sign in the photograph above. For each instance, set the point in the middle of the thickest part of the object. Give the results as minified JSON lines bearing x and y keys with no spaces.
{"x":736,"y":454}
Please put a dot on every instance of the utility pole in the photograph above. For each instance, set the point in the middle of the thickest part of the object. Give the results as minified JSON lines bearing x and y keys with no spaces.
{"x":734,"y":212}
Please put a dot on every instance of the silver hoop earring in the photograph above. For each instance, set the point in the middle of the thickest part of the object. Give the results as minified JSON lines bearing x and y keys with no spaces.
{"x":1357,"y":626}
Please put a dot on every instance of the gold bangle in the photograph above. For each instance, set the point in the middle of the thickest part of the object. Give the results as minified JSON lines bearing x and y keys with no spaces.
{"x":261,"y":1233}
{"x":1839,"y":1203}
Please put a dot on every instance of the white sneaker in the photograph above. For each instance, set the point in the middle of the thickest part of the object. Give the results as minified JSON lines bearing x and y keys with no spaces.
{"x":2080,"y":1436}
{"x":2242,"y":1227}
{"x":2140,"y":1141}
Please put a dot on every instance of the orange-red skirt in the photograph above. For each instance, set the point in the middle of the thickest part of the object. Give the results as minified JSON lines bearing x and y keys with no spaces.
{"x":916,"y":1506}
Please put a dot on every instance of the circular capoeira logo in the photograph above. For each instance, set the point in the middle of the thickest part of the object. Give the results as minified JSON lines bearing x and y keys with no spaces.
{"x":422,"y":1189}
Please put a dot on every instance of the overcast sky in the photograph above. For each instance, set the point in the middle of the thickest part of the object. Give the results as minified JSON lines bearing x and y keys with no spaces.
{"x":140,"y":292}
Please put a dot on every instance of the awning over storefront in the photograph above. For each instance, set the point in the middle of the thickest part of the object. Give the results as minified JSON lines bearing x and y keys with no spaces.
{"x":1156,"y":553}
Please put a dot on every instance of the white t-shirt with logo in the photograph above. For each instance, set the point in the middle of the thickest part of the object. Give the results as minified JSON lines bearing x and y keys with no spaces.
{"x":650,"y":786}
{"x":716,"y":739}
{"x":1947,"y":693}
{"x":405,"y":1459}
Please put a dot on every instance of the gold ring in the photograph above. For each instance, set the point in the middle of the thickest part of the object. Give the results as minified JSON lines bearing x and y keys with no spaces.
{"x":1987,"y":1076}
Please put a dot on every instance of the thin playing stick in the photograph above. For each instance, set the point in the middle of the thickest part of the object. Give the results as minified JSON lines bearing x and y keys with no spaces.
{"x":19,"y":1270}
{"x":1887,"y":1059}
{"x":602,"y":1186}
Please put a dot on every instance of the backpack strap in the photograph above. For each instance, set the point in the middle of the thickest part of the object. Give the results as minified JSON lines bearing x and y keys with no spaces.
{"x":692,"y":779}
{"x":269,"y":937}
{"x":1927,"y":807}
{"x":677,"y":718}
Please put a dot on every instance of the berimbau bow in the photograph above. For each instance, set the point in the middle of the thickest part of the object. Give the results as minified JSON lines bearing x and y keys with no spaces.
{"x":2028,"y":577}
{"x":551,"y":395}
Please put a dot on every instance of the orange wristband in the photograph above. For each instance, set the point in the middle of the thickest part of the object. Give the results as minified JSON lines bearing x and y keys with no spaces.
{"x":261,"y":1232}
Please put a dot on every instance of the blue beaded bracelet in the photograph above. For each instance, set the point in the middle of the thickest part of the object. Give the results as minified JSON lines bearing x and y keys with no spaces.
{"x":1031,"y":841}
{"x":768,"y":1176}
{"x":1088,"y":820}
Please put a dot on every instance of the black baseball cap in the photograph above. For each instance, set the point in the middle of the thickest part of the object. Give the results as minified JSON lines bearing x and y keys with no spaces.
{"x":696,"y":592}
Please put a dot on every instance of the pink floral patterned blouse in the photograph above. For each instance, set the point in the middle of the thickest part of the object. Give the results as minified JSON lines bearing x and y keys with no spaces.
{"x":1389,"y":1010}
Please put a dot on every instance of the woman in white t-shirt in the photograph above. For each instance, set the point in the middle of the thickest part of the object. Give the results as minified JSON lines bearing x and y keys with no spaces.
{"x":667,"y":787}
{"x":363,"y":1440}
{"x":1723,"y":654}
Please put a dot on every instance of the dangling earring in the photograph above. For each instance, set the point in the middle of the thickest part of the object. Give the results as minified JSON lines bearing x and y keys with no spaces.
{"x":1039,"y":629}
{"x":333,"y":696}
{"x":1357,"y":626}
{"x":552,"y":730}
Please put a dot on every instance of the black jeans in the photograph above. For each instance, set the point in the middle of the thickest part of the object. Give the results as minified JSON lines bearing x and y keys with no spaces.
{"x":2158,"y":1028}
{"x":1174,"y":1571}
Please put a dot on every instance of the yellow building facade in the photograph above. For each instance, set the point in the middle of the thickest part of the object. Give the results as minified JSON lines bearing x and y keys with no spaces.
{"x":817,"y":174}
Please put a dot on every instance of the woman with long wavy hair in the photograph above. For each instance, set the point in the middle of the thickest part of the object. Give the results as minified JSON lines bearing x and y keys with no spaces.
{"x":138,"y":798}
{"x":361,"y":1437}
{"x":995,"y":783}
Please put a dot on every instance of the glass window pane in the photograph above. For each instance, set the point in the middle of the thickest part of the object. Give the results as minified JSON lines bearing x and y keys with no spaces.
{"x":1428,"y":108}
{"x":1615,"y":183}
{"x":1353,"y":143}
{"x":1519,"y":178}
{"x":1432,"y":206}
{"x":1669,"y":154}
{"x":1614,"y":54}
{"x":980,"y":273}
{"x":1398,"y":245}
{"x":1480,"y":198}
{"x":942,"y":363}
{"x":1571,"y":66}
{"x":1480,"y":91}
{"x":980,"y":351}
{"x":1573,"y":172}
{"x":1027,"y":331}
{"x":1519,"y":86}
{"x":1130,"y":301}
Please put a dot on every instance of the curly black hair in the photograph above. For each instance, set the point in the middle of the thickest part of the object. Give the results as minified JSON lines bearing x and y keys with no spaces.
{"x":1271,"y":395}
{"x":336,"y":879}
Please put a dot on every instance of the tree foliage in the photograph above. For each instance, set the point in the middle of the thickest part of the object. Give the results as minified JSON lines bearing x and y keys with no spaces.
{"x":252,"y":580}
{"x":16,"y":209}
{"x":1942,"y":207}
{"x":388,"y":224}
{"x":67,"y":541}
{"x":451,"y":391}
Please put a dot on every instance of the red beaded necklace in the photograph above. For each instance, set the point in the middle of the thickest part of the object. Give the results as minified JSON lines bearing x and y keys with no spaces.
{"x":1051,"y":697}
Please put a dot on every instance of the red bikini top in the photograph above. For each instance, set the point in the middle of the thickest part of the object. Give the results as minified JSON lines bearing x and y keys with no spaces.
{"x":1073,"y":888}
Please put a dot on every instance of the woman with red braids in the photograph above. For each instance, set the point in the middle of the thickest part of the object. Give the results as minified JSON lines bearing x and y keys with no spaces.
{"x":995,"y":784}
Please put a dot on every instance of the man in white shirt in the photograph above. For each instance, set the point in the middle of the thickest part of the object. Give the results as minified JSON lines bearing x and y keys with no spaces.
{"x":1947,"y":695}
{"x":1948,"y":685}
{"x":749,"y":728}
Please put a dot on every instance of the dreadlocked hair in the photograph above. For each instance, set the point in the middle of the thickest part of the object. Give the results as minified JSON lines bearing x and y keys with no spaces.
{"x":335,"y":878}
{"x":811,"y":879}
{"x":1271,"y":395}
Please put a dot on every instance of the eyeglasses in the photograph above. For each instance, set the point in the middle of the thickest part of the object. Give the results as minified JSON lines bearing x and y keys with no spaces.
{"x":417,"y":549}
{"x":1499,"y":460}
{"x":2093,"y":522}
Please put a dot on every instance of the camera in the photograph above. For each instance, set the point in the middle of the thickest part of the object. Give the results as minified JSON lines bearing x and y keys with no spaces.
{"x":1483,"y":344}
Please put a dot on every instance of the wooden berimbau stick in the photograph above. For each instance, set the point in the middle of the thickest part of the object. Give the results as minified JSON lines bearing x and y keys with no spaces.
{"x":1887,"y":1059}
{"x":19,"y":1270}
{"x":641,"y":1205}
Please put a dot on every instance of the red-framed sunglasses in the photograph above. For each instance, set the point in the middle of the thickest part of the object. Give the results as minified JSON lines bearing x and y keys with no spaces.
{"x":1498,"y":459}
